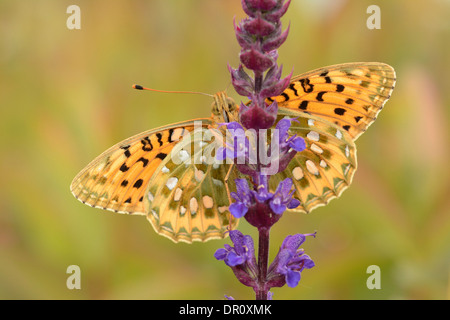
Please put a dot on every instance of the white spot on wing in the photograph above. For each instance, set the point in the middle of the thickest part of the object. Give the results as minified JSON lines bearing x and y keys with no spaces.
{"x":313,"y":135}
{"x":316,"y":148}
{"x":199,"y":174}
{"x":208,"y":202}
{"x":177,"y":195}
{"x":297,"y":173}
{"x":310,"y":122}
{"x":338,"y":134}
{"x":165,"y":169}
{"x":193,"y":205}
{"x":222,"y":209}
{"x":171,"y":183}
{"x":217,"y":182}
{"x":312,"y":167}
{"x":183,"y":155}
{"x":176,"y":134}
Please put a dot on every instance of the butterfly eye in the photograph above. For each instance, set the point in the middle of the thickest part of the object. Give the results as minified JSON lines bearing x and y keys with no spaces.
{"x":231,"y":105}
{"x":215,"y":109}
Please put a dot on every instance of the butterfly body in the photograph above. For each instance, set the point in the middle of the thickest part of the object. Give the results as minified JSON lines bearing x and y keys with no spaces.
{"x":185,"y":195}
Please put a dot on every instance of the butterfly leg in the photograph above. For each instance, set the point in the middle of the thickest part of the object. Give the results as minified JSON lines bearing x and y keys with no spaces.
{"x":225,"y":180}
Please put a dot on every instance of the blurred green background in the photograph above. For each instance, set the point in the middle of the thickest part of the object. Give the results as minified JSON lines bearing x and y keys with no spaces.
{"x":66,"y":96}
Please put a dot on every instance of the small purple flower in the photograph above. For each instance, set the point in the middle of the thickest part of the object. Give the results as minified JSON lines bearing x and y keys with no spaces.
{"x":237,"y":144}
{"x":246,"y":198}
{"x":242,"y":251}
{"x":240,"y":258}
{"x":243,"y":197}
{"x":282,"y":198}
{"x":290,"y":262}
{"x":295,"y":142}
{"x":241,"y":145}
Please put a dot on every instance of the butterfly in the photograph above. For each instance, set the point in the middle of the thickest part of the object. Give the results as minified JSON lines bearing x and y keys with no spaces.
{"x":186,"y":197}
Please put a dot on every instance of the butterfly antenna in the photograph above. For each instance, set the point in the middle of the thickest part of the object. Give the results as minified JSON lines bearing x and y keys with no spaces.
{"x":138,"y":87}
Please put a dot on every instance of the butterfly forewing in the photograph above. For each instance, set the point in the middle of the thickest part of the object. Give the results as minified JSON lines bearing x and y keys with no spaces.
{"x":348,"y":95}
{"x":117,"y":179}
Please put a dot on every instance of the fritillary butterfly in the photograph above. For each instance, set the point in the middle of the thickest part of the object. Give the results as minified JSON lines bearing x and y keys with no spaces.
{"x":187,"y":200}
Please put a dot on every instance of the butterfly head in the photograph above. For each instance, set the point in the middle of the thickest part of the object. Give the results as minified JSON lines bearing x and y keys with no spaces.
{"x":224,"y":109}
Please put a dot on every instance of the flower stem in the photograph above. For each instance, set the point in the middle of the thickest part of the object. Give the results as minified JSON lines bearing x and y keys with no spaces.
{"x":258,"y":81}
{"x":263,"y":258}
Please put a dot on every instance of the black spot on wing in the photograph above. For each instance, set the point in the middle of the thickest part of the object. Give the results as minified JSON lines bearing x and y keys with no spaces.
{"x":292,"y":87}
{"x":138,"y":184}
{"x":161,"y":155}
{"x":170,"y":134}
{"x":303,"y":105}
{"x":339,"y":111}
{"x":144,"y":161}
{"x":146,"y":144}
{"x":349,"y":101}
{"x":306,"y":85}
{"x":320,"y":96}
{"x":159,"y":137}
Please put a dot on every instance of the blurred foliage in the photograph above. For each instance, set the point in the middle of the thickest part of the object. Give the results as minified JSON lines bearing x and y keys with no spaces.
{"x":66,"y":97}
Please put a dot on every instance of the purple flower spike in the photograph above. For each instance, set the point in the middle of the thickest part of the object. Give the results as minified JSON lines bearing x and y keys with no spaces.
{"x":260,"y":35}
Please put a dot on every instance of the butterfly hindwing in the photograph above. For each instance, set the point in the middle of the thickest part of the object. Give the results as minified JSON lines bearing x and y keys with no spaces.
{"x":348,"y":95}
{"x":325,"y":168}
{"x":188,"y":196}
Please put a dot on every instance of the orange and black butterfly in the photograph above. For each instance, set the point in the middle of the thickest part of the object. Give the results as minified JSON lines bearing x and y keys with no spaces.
{"x":185,"y":200}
